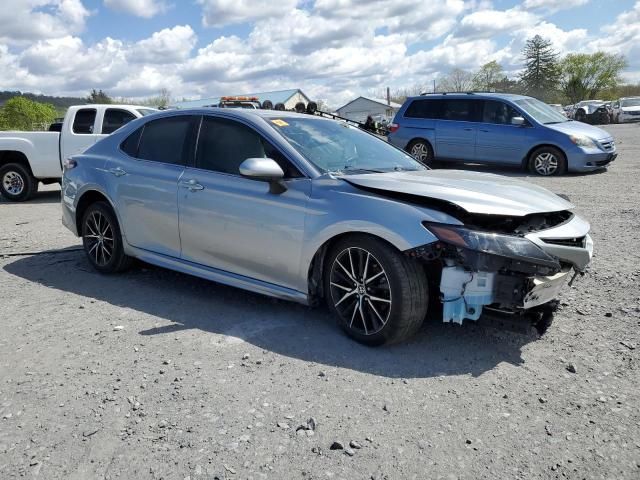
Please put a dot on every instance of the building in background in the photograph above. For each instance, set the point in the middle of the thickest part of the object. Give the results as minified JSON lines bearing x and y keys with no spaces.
{"x":288,"y":97}
{"x":360,"y":108}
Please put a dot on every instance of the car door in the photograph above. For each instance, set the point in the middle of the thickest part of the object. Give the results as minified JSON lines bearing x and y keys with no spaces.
{"x":456,"y":129}
{"x":79,"y":132}
{"x":233,"y":223}
{"x":145,"y":175}
{"x":498,"y":140}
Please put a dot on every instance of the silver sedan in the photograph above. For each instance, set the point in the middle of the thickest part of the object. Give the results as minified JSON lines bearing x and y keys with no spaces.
{"x":313,"y":210}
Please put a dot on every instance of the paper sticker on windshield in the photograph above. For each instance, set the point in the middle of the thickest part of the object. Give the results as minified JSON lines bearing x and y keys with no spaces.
{"x":280,"y":123}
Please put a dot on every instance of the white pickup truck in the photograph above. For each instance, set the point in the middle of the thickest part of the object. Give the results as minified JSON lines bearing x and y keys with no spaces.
{"x":27,"y":158}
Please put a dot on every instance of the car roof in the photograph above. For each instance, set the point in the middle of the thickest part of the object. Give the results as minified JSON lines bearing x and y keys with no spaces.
{"x":503,"y":96}
{"x":240,"y":113}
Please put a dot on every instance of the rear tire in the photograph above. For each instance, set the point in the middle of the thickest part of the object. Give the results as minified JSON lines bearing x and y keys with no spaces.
{"x":382,"y":297}
{"x":102,"y":239}
{"x":547,"y":161}
{"x":421,"y":151}
{"x":16,"y":182}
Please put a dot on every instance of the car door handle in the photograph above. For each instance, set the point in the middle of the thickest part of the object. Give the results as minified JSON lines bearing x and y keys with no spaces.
{"x":118,"y":172}
{"x":483,"y":130}
{"x":468,"y":129}
{"x":192,"y":185}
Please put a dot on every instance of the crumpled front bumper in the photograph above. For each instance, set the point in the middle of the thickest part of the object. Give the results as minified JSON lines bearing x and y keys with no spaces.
{"x":469,"y":286}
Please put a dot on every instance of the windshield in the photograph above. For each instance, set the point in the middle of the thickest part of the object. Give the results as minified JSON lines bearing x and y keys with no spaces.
{"x":340,"y":148}
{"x":630,"y":102}
{"x":540,"y":111}
{"x":146,"y":111}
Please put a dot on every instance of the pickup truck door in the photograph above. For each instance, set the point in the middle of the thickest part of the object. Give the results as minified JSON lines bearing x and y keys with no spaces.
{"x":78,"y":131}
{"x":144,"y":182}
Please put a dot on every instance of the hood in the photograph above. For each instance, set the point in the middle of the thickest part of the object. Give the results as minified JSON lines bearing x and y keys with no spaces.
{"x":591,"y":107}
{"x":481,"y":193}
{"x":578,"y":128}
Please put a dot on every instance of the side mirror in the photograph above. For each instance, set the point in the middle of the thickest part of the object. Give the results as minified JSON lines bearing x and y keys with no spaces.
{"x":517,"y":121}
{"x":264,"y":170}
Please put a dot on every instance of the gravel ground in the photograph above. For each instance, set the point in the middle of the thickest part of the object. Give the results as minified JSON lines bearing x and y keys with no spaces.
{"x":154,"y":374}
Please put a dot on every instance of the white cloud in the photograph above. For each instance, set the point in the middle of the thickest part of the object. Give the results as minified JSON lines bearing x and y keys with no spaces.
{"x":217,"y":13}
{"x":554,"y":5}
{"x":489,"y":23}
{"x":139,"y":8}
{"x":25,"y":21}
{"x":171,"y":45}
{"x":623,"y":37}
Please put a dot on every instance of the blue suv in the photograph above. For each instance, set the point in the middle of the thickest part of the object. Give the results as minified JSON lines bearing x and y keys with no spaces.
{"x":498,"y":129}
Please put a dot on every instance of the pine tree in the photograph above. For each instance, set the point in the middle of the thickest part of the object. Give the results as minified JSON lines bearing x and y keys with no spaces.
{"x":542,"y":72}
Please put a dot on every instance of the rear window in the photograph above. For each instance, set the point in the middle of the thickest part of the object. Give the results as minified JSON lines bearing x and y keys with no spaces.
{"x":461,"y":110}
{"x":423,"y":109}
{"x":164,"y":140}
{"x":84,"y":120}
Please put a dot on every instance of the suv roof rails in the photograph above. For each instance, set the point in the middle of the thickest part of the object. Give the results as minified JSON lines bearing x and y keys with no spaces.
{"x":454,"y":93}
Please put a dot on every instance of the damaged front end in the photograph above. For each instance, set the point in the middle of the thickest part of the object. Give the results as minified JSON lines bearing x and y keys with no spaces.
{"x":515,"y":273}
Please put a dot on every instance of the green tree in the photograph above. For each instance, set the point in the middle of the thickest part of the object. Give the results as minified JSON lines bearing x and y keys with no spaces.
{"x":585,"y":75}
{"x":488,"y":76}
{"x":541,"y":75}
{"x":98,"y":96}
{"x":20,"y":113}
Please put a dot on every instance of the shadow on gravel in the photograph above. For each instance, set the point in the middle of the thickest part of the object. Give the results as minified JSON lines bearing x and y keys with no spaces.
{"x":47,"y":196}
{"x":181,"y":302}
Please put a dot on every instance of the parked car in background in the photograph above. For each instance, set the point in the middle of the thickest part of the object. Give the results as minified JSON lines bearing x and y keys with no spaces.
{"x":558,"y":108}
{"x":27,"y":158}
{"x":498,"y":128}
{"x":591,"y":111}
{"x":626,"y":109}
{"x":315,"y":210}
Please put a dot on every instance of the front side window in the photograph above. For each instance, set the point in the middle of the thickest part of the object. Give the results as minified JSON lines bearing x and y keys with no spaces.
{"x":224,"y":144}
{"x":340,"y":148}
{"x":84,"y":120}
{"x":460,"y":110}
{"x":165,"y":140}
{"x":498,"y":112}
{"x":114,"y":118}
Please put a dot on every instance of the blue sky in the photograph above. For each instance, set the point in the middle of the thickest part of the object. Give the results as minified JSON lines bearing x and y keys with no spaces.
{"x":332,"y":49}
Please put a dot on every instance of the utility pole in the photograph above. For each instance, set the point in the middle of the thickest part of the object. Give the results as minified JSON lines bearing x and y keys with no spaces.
{"x":434,"y":85}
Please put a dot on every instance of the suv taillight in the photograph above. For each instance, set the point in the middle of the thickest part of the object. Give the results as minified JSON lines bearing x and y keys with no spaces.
{"x":393,"y":127}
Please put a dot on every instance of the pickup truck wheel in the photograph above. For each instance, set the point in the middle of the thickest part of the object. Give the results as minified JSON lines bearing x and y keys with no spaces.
{"x":102,"y":239}
{"x":16,"y":182}
{"x":379,"y":295}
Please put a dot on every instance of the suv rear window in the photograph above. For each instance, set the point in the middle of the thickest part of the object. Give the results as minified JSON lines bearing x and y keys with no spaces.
{"x":423,"y":109}
{"x":461,"y":110}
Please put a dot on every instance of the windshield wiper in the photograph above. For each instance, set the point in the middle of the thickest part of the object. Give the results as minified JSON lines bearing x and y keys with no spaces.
{"x":348,"y":169}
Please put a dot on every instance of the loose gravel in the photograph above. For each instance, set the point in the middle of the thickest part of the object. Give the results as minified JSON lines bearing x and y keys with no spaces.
{"x":153,"y":374}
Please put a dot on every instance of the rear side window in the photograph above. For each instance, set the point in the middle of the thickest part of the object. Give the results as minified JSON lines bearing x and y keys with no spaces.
{"x":461,"y":110}
{"x":84,"y":120}
{"x":498,"y":112}
{"x":114,"y":118}
{"x":165,"y":140}
{"x":130,"y":145}
{"x":423,"y":109}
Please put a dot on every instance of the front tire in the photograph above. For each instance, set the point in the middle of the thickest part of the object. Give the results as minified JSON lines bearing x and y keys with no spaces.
{"x":102,"y":239}
{"x":422,"y":151}
{"x":16,"y":183}
{"x":378,"y":295}
{"x":547,"y":161}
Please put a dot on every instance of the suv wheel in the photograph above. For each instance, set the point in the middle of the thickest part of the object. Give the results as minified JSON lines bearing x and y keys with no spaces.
{"x":379,"y":295}
{"x":102,"y":240}
{"x":421,"y":150}
{"x":16,"y":183}
{"x":547,"y":161}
